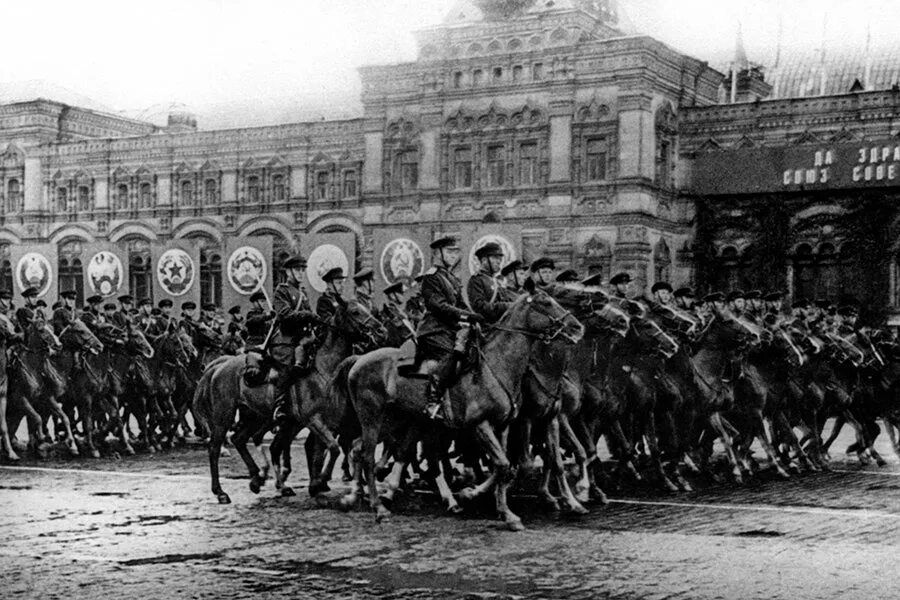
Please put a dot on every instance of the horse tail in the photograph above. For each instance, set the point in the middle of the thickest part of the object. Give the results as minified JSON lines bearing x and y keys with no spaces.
{"x":339,"y":392}
{"x":202,"y":403}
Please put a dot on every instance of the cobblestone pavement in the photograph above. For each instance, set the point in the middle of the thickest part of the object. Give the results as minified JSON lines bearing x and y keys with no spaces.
{"x":147,"y":527}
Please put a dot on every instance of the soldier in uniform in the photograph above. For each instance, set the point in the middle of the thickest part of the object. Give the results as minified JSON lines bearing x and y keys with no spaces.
{"x":514,"y":275}
{"x":291,"y":350}
{"x":661,"y":293}
{"x":394,"y":311}
{"x":621,"y":285}
{"x":753,"y":306}
{"x":91,"y":315}
{"x":39,"y":313}
{"x":735,"y":301}
{"x":568,"y":276}
{"x":331,"y":300}
{"x":684,"y":298}
{"x":258,"y":320}
{"x":440,"y":335}
{"x":542,"y":272}
{"x":187,"y":316}
{"x":26,"y":314}
{"x":122,"y":318}
{"x":483,"y":288}
{"x":774,"y":301}
{"x":144,"y":319}
{"x":64,"y":315}
{"x":364,"y":281}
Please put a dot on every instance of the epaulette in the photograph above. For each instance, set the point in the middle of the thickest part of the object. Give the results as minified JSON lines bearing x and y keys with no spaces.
{"x":431,"y":271}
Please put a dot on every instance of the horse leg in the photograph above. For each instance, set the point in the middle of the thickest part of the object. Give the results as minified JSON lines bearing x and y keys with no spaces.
{"x":216,"y":439}
{"x":4,"y":428}
{"x":544,"y":495}
{"x":282,"y":438}
{"x":861,"y":444}
{"x":838,"y":425}
{"x":60,"y":414}
{"x":583,"y":486}
{"x":718,"y":425}
{"x":765,"y":438}
{"x":892,"y":434}
{"x":626,"y":461}
{"x":356,"y":492}
{"x":655,"y":457}
{"x":555,"y":464}
{"x":86,"y":408}
{"x":496,"y":451}
{"x":239,"y":440}
{"x":119,"y":426}
{"x":318,"y":427}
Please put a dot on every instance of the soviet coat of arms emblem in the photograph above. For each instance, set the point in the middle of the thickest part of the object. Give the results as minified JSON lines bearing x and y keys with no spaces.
{"x":175,"y":272}
{"x":34,"y":270}
{"x":246,"y":270}
{"x":105,"y":273}
{"x":401,"y":260}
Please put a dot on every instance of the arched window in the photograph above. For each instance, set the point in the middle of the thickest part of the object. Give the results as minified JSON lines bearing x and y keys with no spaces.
{"x":6,"y":275}
{"x":140,"y":271}
{"x":187,"y":193}
{"x":666,"y":131}
{"x":322,"y":185}
{"x":71,"y":273}
{"x":253,"y":189}
{"x":62,"y":199}
{"x":211,"y":192}
{"x":210,"y":278}
{"x":13,"y":195}
{"x":146,"y":195}
{"x":122,"y":196}
{"x":406,"y":170}
{"x":349,"y":188}
{"x":278,"y":189}
{"x":84,"y":198}
{"x":662,"y":262}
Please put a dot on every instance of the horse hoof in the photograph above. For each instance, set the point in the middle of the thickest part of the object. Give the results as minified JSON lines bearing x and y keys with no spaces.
{"x":576,"y":509}
{"x":287,"y":492}
{"x":151,"y":448}
{"x":686,"y":487}
{"x":582,"y":495}
{"x":13,"y":457}
{"x":129,"y":450}
{"x":223,"y":498}
{"x":224,"y":453}
{"x":386,"y":502}
{"x":73,"y":450}
{"x":95,"y":453}
{"x":265,"y":473}
{"x":254,"y":486}
{"x":467,"y":494}
{"x":454,"y":509}
{"x":515,"y":525}
{"x":381,"y":513}
{"x":347,"y":503}
{"x":880,"y":462}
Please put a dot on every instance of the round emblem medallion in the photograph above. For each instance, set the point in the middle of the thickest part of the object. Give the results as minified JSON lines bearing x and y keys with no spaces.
{"x":105,"y":273}
{"x":509,"y":251}
{"x":246,"y":270}
{"x":401,"y":260}
{"x":323,"y":258}
{"x":175,"y":272}
{"x":34,"y":270}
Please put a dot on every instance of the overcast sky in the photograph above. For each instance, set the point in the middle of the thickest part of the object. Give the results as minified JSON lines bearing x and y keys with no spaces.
{"x":133,"y":54}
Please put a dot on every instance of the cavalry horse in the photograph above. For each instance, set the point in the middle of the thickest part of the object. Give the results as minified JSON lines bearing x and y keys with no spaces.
{"x":222,"y":394}
{"x":482,"y":400}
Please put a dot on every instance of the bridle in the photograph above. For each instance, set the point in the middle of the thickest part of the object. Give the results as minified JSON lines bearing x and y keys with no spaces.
{"x":557,"y":329}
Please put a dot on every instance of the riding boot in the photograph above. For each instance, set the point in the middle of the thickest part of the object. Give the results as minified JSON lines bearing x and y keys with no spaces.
{"x":434,"y":393}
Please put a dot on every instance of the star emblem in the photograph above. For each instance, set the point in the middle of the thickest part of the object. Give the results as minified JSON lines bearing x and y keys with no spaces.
{"x":175,"y":270}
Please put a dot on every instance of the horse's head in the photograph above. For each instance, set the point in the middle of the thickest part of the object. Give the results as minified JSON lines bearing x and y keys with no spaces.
{"x":729,"y":333}
{"x":137,"y":343}
{"x":537,"y":313}
{"x":77,"y":336}
{"x":783,"y":341}
{"x":677,"y":320}
{"x":176,"y":347}
{"x":42,"y":338}
{"x":360,"y":323}
{"x":206,"y":337}
{"x":613,"y":319}
{"x":648,"y":334}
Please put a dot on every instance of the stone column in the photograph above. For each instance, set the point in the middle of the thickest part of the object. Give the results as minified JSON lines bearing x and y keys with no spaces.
{"x":229,"y":187}
{"x":101,"y":194}
{"x":636,"y":136}
{"x":632,"y":254}
{"x":560,"y":139}
{"x":34,"y":186}
{"x":164,"y":190}
{"x":374,"y":136}
{"x":429,"y":151}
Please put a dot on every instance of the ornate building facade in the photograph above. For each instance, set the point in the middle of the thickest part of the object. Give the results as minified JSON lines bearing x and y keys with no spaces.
{"x":536,"y":123}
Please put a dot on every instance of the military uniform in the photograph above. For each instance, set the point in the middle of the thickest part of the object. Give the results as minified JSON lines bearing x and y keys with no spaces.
{"x":257,"y":326}
{"x":486,"y":297}
{"x":291,"y":306}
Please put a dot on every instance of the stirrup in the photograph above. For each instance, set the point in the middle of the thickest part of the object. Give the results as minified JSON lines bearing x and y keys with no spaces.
{"x":433,"y":411}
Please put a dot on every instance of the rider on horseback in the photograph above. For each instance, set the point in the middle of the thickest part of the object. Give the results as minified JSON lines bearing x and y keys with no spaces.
{"x":25,"y":314}
{"x":258,"y":318}
{"x":514,"y":275}
{"x":483,"y":289}
{"x":65,"y":314}
{"x":331,"y":300}
{"x":394,"y":312}
{"x":542,"y":272}
{"x":442,"y":333}
{"x":294,"y":320}
{"x":363,"y":281}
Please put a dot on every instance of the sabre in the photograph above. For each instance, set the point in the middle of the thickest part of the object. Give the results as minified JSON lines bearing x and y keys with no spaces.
{"x":265,"y":344}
